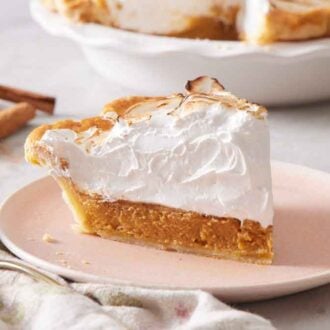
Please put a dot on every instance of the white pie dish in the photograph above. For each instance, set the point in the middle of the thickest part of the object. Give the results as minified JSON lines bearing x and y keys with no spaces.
{"x":281,"y":73}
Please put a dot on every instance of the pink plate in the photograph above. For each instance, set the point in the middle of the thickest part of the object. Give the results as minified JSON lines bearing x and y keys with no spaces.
{"x":301,"y":235}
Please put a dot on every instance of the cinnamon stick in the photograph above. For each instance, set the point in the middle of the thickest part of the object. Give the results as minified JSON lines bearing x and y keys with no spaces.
{"x":40,"y":102}
{"x":15,"y":117}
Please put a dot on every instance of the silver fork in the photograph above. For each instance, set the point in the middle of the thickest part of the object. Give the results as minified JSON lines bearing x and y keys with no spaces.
{"x":32,"y":272}
{"x":35,"y":274}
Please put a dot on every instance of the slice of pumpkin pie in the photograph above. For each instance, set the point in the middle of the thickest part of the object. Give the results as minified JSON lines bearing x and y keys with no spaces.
{"x":188,"y":172}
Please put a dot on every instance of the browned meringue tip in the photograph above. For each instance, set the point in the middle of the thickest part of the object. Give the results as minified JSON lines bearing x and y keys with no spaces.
{"x":204,"y":85}
{"x":147,"y":107}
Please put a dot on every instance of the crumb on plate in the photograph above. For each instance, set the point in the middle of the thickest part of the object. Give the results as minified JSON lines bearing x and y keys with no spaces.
{"x":48,"y":238}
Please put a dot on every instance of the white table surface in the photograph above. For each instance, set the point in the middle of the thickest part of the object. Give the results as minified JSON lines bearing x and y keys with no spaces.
{"x":31,"y":59}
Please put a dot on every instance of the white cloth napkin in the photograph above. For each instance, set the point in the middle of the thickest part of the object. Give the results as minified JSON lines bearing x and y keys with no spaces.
{"x":28,"y":304}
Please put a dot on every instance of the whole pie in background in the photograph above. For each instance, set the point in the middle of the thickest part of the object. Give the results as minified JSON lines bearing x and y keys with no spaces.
{"x":256,"y":21}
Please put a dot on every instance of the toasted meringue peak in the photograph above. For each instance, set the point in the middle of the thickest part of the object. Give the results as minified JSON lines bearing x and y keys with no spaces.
{"x":111,"y":115}
{"x":200,"y":91}
{"x":147,"y":108}
{"x":204,"y":85}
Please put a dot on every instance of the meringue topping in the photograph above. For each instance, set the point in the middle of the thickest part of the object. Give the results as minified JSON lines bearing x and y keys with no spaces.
{"x":194,"y":152}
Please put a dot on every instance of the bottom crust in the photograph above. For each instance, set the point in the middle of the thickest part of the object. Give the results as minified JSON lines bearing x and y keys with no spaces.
{"x":170,"y":229}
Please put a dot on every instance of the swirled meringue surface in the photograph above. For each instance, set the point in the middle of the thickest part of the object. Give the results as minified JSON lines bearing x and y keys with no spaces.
{"x":203,"y":156}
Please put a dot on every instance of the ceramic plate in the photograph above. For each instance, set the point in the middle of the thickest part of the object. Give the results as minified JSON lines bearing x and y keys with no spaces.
{"x":301,"y":235}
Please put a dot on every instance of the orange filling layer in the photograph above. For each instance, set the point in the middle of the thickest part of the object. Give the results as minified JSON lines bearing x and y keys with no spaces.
{"x":168,"y":228}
